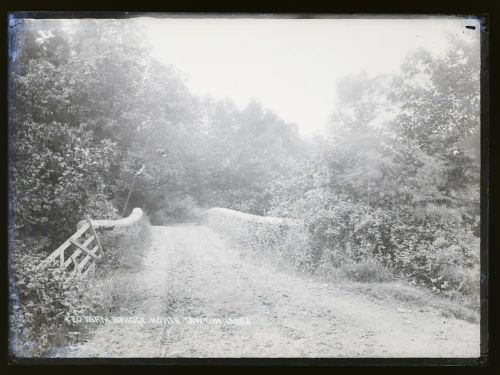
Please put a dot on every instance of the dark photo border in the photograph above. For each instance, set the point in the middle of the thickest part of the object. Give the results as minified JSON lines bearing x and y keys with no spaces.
{"x":309,"y":9}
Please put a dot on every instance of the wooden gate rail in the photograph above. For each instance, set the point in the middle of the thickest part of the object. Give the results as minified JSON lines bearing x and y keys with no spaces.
{"x":84,"y":258}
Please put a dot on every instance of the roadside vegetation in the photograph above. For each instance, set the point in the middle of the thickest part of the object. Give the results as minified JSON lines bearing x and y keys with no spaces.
{"x":46,"y":302}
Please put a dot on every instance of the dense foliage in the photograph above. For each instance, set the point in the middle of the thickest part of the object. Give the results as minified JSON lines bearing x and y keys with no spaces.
{"x":44,"y":298}
{"x":397,"y":180}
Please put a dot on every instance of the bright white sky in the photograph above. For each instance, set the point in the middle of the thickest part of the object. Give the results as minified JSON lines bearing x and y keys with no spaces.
{"x":291,"y":65}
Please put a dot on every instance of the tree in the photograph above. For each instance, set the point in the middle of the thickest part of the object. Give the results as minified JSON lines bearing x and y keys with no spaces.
{"x":246,"y":150}
{"x":397,"y":177}
{"x":439,"y":101}
{"x":56,"y":166}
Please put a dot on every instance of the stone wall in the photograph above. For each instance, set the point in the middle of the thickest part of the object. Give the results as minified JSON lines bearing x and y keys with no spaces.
{"x":261,"y":234}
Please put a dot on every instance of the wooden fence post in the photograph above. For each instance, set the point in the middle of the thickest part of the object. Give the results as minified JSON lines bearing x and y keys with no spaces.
{"x":89,"y":220}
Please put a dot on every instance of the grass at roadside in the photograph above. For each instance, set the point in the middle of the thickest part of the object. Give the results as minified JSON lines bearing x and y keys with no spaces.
{"x":413,"y":297}
{"x":115,"y":280}
{"x":371,"y":278}
{"x":111,"y":288}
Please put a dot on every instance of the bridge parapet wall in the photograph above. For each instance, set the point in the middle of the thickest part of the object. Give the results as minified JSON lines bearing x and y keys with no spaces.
{"x":262,"y":234}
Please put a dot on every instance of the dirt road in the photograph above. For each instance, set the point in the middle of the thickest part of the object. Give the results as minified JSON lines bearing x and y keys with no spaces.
{"x":191,"y":272}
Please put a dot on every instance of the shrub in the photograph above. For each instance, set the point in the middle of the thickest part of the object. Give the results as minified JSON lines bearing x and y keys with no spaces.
{"x":285,"y":246}
{"x":464,"y":283}
{"x":427,"y":245}
{"x":366,"y":271}
{"x":99,"y":207}
{"x":42,"y":297}
{"x":56,"y":172}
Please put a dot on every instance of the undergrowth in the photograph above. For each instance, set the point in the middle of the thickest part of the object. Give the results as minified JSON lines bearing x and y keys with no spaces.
{"x":451,"y":287}
{"x":43,"y":299}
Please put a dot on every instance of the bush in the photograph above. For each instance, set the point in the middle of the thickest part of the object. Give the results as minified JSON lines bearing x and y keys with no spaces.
{"x":366,"y":271}
{"x":56,"y":172}
{"x":41,"y":298}
{"x":427,"y":245}
{"x":464,"y":283}
{"x":285,"y":246}
{"x":99,"y":207}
